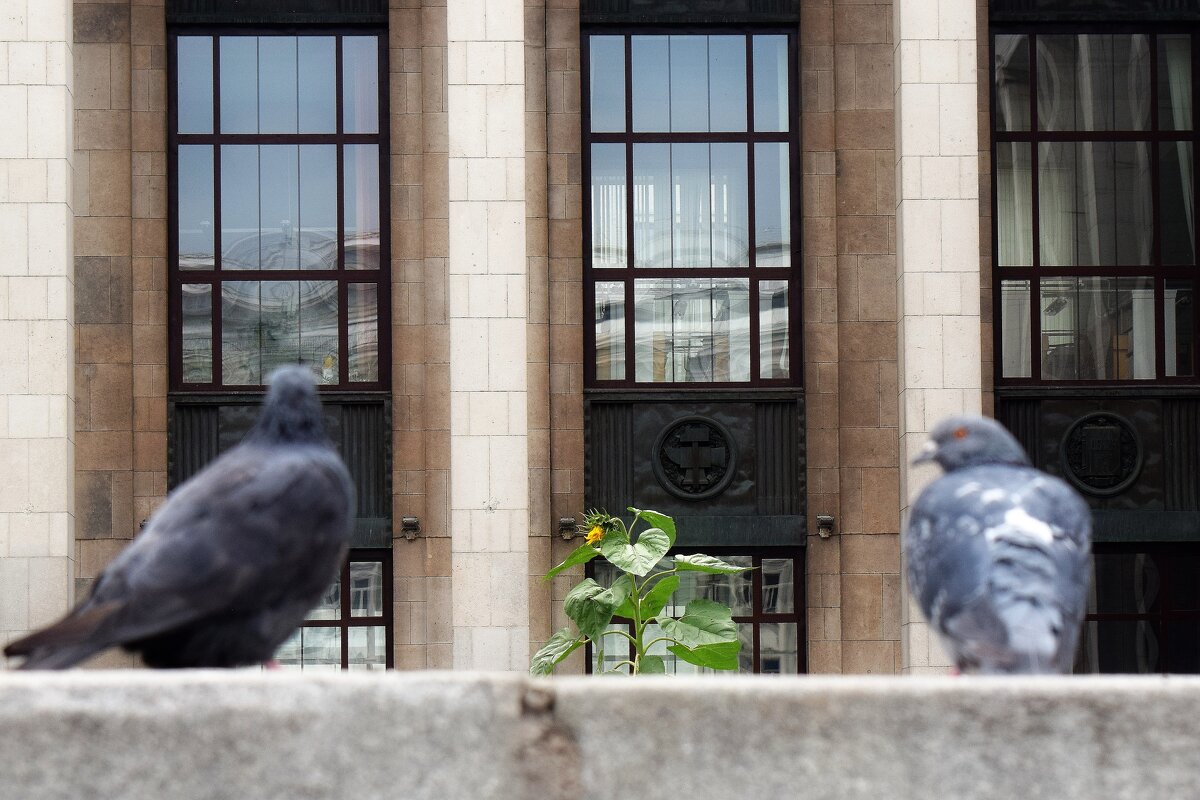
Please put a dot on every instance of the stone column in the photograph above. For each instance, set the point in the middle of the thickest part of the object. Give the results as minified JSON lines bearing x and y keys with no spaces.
{"x":938,"y":269}
{"x":489,"y":483}
{"x":37,"y":320}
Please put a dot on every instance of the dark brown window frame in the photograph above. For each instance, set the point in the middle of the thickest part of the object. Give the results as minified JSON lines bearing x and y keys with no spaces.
{"x":381,"y":277}
{"x":799,"y":583}
{"x":1035,"y":273}
{"x":629,"y":273}
{"x":346,"y":622}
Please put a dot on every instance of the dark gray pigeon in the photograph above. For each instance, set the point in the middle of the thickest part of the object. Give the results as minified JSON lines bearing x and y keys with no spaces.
{"x":998,"y":553}
{"x":229,"y":565}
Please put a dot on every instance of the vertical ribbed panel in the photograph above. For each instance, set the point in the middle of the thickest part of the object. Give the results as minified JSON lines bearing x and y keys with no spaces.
{"x":1021,"y":419}
{"x":778,"y":463}
{"x":364,"y":443}
{"x":1181,"y":440}
{"x":194,"y":441}
{"x":608,"y":444}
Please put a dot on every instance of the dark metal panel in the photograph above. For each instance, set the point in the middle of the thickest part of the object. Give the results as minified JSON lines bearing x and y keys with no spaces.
{"x":1181,"y":439}
{"x":271,"y":12}
{"x":193,"y":441}
{"x":1145,"y":526}
{"x":1021,"y":419}
{"x":781,"y":482}
{"x":1093,"y":10}
{"x":690,"y":11}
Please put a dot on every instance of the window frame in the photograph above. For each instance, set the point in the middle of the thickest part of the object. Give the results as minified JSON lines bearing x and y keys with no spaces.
{"x":1157,"y":272}
{"x":630,"y":273}
{"x":176,"y":277}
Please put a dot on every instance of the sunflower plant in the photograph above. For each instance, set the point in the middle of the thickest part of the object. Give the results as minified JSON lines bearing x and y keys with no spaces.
{"x":705,"y":635}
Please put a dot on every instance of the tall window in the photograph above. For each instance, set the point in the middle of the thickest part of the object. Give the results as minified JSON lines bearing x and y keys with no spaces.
{"x":1095,"y":200}
{"x":689,"y":154}
{"x":277,"y":250}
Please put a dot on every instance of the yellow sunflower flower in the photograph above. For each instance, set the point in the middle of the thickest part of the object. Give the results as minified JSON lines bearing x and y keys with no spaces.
{"x":595,"y":534}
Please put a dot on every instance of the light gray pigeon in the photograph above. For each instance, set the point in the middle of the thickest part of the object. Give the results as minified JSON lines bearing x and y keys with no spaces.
{"x":229,"y":565}
{"x":998,"y":553}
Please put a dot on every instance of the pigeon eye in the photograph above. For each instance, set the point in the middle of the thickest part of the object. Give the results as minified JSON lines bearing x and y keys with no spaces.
{"x":960,"y":433}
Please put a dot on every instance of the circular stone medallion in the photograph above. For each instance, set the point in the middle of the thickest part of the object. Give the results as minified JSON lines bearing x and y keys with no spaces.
{"x":1101,"y":454}
{"x":695,"y":458}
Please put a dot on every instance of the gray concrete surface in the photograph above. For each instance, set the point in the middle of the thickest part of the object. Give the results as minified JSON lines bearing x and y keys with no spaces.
{"x":443,"y":736}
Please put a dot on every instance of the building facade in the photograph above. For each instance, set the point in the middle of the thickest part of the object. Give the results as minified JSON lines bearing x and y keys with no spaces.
{"x":728,"y":259}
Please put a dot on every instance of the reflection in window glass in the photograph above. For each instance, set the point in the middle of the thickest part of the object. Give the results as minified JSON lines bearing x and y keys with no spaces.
{"x":1097,"y":328}
{"x":239,"y":207}
{"x":1179,"y":308}
{"x":363,"y":331}
{"x":1128,"y":583}
{"x":609,"y":206}
{"x":774,"y":356}
{"x":691,"y":213}
{"x":367,"y":647}
{"x":610,"y":330}
{"x":321,"y":649}
{"x":330,"y":605}
{"x":651,"y":83}
{"x":652,"y":205}
{"x":317,"y":78}
{"x":366,"y":589}
{"x":362,"y":206}
{"x":1176,"y":203}
{"x":730,"y":205}
{"x":772,"y":205}
{"x":277,"y":101}
{"x":1015,"y":329}
{"x":770,"y":83}
{"x":692,"y":330}
{"x":241,"y":356}
{"x":197,"y":333}
{"x":239,"y":84}
{"x":280,"y":324}
{"x":279,"y":215}
{"x":318,"y":206}
{"x":607,"y":83}
{"x":1175,"y":82}
{"x":1014,"y":205}
{"x":1095,"y":203}
{"x":1011,"y":75}
{"x":1126,"y":646}
{"x":779,"y":648}
{"x":727,"y":83}
{"x":612,"y":650}
{"x":194,"y":86}
{"x":689,"y":83}
{"x":318,"y":324}
{"x":1093,"y":82}
{"x":735,"y":591}
{"x":779,"y":593}
{"x":195,"y":215}
{"x":360,"y":84}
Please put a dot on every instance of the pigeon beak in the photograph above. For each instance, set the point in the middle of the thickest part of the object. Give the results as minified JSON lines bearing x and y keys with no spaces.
{"x":928,"y":453}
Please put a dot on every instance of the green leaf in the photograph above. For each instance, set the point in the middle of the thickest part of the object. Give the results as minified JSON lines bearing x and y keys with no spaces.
{"x":713,"y":656}
{"x":561,"y":645}
{"x":702,"y":563}
{"x":660,"y":521}
{"x":703,"y":623}
{"x":652,"y":665}
{"x":617,"y":595}
{"x":581,"y":555}
{"x":638,"y":558}
{"x":591,"y":606}
{"x":656,"y":598}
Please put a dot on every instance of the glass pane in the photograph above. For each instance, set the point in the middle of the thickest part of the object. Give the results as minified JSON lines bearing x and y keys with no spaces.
{"x":362,"y":206}
{"x":1097,"y":328}
{"x":194,"y":86}
{"x":318,"y":329}
{"x":735,"y":591}
{"x":1124,"y":583}
{"x":779,"y":590}
{"x":609,"y":209}
{"x":277,"y":84}
{"x":363,"y":331}
{"x":360,"y":84}
{"x":1176,"y":206}
{"x":652,"y":205}
{"x":1118,"y":646}
{"x":196,"y":205}
{"x":288,"y":654}
{"x":774,"y":346}
{"x":770,"y":83}
{"x":651,"y":83}
{"x":1183,"y":646}
{"x":689,"y":83}
{"x":677,"y":666}
{"x":610,"y":331}
{"x":613,"y":650}
{"x":1179,"y":299}
{"x":727,"y":83}
{"x":318,"y":206}
{"x":1015,"y":330}
{"x":197,"y":356}
{"x":280,"y":324}
{"x":239,"y":206}
{"x":772,"y":205}
{"x":321,"y":649}
{"x":239,"y":84}
{"x":729,"y":190}
{"x":1014,"y":205}
{"x":1183,"y":590}
{"x":1012,"y":83}
{"x":1093,"y":82}
{"x":1095,"y":203}
{"x":778,"y":648}
{"x":330,"y":605}
{"x":692,"y":330}
{"x":606,"y":83}
{"x":279,"y":190}
{"x":317,"y":79}
{"x":1175,"y":82}
{"x":691,"y":231}
{"x":366,"y":589}
{"x":367,"y":648}
{"x":241,"y":360}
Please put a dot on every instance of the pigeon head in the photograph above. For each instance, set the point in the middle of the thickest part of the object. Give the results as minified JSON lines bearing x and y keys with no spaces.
{"x":970,"y":441}
{"x":292,"y":410}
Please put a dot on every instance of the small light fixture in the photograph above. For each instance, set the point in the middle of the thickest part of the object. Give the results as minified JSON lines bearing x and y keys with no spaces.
{"x":410,"y":527}
{"x":824,"y":525}
{"x":567,"y":527}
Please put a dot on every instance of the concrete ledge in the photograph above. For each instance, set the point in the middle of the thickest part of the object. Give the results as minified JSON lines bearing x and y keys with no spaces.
{"x":142,"y":736}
